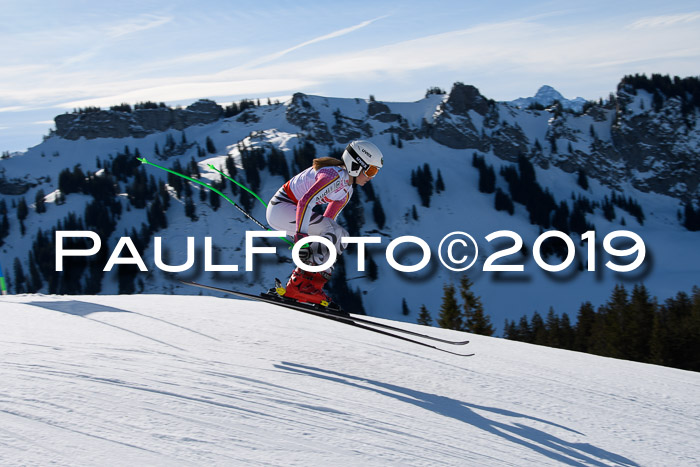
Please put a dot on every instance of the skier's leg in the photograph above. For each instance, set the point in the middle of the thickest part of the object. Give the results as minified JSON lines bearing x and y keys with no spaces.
{"x":308,"y":286}
{"x":282,"y":213}
{"x":330,"y":229}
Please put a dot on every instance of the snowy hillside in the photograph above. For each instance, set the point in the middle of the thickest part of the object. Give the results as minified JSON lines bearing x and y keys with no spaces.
{"x":443,"y":131}
{"x":164,"y":380}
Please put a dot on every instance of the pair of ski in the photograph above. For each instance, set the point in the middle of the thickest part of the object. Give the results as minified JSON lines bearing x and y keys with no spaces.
{"x":336,"y":314}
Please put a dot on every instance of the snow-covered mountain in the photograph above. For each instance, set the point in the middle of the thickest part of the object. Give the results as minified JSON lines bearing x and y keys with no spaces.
{"x":165,"y":380}
{"x":642,"y":148}
{"x":546,"y":96}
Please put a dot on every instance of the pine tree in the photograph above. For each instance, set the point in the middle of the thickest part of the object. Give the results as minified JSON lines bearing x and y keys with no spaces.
{"x":22,"y":209}
{"x":503,"y":202}
{"x":487,"y":178}
{"x":22,"y":212}
{"x":657,"y":344}
{"x":450,"y":316}
{"x":567,"y":335}
{"x":510,"y":331}
{"x":214,"y":200}
{"x":691,"y":217}
{"x":424,"y":317}
{"x":439,"y":183}
{"x":639,"y":324}
{"x":539,"y":330}
{"x":211,"y":148}
{"x":39,"y":201}
{"x":475,"y":320}
{"x":378,"y":213}
{"x":404,"y":308}
{"x":552,"y":324}
{"x":190,"y":209}
{"x":424,"y":184}
{"x":692,"y":330}
{"x":608,"y":335}
{"x":35,"y":282}
{"x":372,"y":270}
{"x":582,"y":179}
{"x":20,"y":278}
{"x":525,"y":330}
{"x":175,"y":181}
{"x":4,"y":222}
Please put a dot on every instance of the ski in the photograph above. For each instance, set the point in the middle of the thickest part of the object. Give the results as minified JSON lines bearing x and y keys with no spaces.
{"x":337,"y":316}
{"x":319,"y":310}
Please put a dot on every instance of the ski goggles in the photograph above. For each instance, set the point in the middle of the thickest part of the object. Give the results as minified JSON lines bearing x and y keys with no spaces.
{"x":371,"y":171}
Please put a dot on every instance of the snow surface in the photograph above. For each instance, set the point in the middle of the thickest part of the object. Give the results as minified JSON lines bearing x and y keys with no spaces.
{"x":166,"y":380}
{"x":673,"y":257}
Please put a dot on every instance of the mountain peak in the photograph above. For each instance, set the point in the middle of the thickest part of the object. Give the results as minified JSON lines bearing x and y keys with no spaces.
{"x":548,"y":92}
{"x":546,"y":95}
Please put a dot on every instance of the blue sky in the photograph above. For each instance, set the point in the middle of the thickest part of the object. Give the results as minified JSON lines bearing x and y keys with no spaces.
{"x":56,"y":56}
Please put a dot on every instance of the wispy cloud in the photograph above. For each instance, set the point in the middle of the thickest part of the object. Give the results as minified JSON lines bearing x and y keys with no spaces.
{"x":106,"y":35}
{"x":520,"y":49}
{"x":665,"y":20}
{"x":532,"y":49}
{"x":325,"y":37}
{"x":185,"y":61}
{"x":135,"y":25}
{"x":194,"y":90}
{"x":16,"y":108}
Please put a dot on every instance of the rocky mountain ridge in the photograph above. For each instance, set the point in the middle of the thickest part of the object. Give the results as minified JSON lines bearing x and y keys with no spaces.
{"x":137,"y":123}
{"x":624,"y":140}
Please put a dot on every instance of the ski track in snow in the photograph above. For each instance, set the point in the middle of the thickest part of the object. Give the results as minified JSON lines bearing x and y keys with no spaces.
{"x":163,"y":380}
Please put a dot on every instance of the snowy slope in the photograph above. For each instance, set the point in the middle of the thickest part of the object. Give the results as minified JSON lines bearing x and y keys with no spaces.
{"x":672,"y":253}
{"x":163,"y":380}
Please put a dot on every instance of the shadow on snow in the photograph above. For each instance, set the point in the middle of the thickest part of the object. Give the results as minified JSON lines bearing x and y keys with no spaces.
{"x":538,"y":440}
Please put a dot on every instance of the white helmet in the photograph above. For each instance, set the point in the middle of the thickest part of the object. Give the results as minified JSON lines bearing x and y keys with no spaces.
{"x":362,"y":156}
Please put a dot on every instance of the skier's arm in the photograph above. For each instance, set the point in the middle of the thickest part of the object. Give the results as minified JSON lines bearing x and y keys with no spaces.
{"x":324,"y":178}
{"x":334,"y":207}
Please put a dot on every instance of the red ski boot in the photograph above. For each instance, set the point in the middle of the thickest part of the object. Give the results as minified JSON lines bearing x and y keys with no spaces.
{"x":307,"y":287}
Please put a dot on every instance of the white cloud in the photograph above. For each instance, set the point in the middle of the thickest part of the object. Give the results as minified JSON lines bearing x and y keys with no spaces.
{"x":325,"y":37}
{"x":16,"y":108}
{"x":194,"y":90}
{"x":512,"y":51}
{"x":504,"y":54}
{"x":665,"y":20}
{"x":135,"y":25}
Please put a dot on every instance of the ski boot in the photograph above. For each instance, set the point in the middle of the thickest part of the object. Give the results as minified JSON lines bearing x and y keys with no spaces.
{"x":307,"y":287}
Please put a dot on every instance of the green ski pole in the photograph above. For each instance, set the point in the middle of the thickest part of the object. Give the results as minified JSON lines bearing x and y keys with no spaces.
{"x":211,"y":166}
{"x":143,"y":160}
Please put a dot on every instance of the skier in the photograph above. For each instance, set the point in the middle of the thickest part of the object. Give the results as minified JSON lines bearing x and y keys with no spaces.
{"x":328,"y":181}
